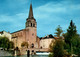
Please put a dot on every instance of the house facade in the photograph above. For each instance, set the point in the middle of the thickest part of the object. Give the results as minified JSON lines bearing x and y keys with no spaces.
{"x":5,"y":34}
{"x":46,"y":41}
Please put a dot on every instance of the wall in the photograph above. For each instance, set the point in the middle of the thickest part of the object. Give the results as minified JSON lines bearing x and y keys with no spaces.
{"x":44,"y":43}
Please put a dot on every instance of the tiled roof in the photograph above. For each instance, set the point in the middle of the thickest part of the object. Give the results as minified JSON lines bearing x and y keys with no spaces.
{"x":48,"y":37}
{"x":1,"y":32}
{"x":17,"y":31}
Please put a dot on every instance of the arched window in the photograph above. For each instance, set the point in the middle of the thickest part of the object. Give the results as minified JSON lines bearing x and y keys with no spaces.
{"x":31,"y":24}
{"x":32,"y":45}
{"x":32,"y":50}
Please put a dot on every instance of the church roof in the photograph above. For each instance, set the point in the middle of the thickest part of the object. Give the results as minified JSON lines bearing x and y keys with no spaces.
{"x":30,"y":12}
{"x":17,"y":31}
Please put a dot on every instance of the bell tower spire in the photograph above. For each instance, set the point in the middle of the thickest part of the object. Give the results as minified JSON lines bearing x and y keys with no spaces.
{"x":31,"y":21}
{"x":31,"y":12}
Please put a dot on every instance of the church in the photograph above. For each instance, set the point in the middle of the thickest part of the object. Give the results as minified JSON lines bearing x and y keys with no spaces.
{"x":29,"y":34}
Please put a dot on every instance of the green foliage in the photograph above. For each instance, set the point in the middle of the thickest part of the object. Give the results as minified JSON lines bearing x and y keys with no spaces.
{"x":71,"y":32}
{"x":5,"y":43}
{"x":70,"y":46}
{"x":24,"y":44}
{"x":72,"y":42}
{"x":11,"y":44}
{"x":51,"y":46}
{"x":77,"y":50}
{"x":58,"y":49}
{"x":67,"y":47}
{"x":50,"y":55}
{"x":59,"y":31}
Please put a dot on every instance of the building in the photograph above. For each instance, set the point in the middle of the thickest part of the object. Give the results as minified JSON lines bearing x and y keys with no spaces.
{"x":28,"y":34}
{"x":46,"y":41}
{"x":5,"y":34}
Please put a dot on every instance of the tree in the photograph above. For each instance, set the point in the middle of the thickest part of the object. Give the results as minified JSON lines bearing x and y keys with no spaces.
{"x":5,"y":43}
{"x":58,"y":49}
{"x":78,"y":47}
{"x":11,"y":45}
{"x":24,"y":44}
{"x":71,"y":32}
{"x":71,"y":39}
{"x":51,"y":45}
{"x":59,"y":31}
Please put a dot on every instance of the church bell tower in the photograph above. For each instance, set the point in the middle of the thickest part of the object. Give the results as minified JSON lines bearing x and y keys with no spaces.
{"x":31,"y":22}
{"x":31,"y":28}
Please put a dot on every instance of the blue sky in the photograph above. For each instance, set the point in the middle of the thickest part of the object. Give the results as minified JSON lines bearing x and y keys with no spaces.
{"x":48,"y":14}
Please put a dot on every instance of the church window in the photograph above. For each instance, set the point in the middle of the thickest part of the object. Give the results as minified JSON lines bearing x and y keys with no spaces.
{"x":32,"y":45}
{"x":27,"y":24}
{"x":31,"y":24}
{"x":32,"y":50}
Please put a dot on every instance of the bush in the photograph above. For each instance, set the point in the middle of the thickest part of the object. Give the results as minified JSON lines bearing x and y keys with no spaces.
{"x":5,"y":43}
{"x":24,"y":44}
{"x":50,"y":55}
